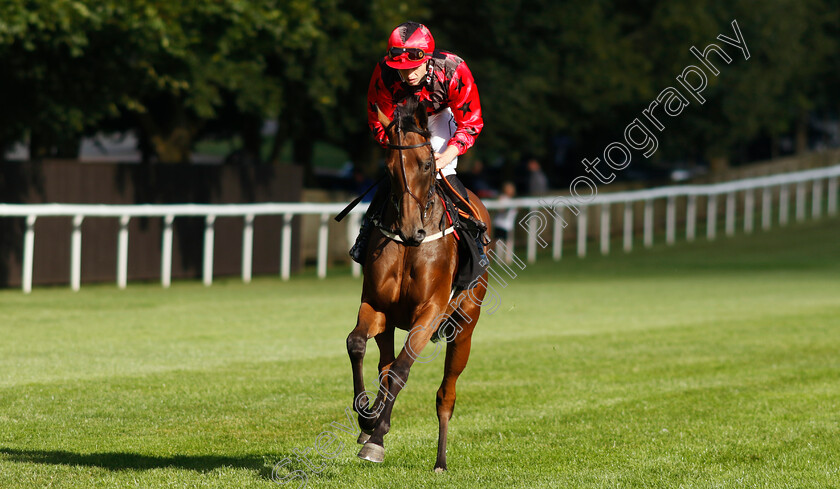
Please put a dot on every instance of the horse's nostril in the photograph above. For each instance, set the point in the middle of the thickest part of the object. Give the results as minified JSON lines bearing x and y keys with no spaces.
{"x":420,"y":235}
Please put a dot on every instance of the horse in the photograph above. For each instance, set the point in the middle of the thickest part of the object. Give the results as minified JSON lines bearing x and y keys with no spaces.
{"x":408,"y":278}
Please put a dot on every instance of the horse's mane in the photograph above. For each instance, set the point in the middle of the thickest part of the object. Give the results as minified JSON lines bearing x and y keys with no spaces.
{"x":405,"y":113}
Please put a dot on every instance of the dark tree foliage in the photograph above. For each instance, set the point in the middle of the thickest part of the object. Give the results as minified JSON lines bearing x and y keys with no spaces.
{"x":586,"y":69}
{"x":547,"y":70}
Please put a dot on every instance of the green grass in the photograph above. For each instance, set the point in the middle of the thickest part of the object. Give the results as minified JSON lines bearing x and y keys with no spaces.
{"x":706,"y":365}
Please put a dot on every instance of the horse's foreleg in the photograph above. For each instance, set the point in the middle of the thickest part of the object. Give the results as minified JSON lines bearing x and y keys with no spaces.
{"x":385,"y":342}
{"x":369,"y":324}
{"x":397,"y":375}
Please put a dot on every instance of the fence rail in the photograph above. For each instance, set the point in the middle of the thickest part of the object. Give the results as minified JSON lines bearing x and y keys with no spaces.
{"x":541,"y":212}
{"x":543,"y":209}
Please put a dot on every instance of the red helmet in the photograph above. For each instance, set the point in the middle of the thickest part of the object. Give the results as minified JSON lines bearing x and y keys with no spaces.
{"x":410,"y":44}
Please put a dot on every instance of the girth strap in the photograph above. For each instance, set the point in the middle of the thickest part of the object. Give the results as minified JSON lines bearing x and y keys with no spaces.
{"x":433,"y":237}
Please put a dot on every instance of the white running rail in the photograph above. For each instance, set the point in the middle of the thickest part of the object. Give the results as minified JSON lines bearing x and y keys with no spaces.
{"x":541,"y":211}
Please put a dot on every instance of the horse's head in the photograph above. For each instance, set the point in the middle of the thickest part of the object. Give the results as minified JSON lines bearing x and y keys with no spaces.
{"x":411,"y":166}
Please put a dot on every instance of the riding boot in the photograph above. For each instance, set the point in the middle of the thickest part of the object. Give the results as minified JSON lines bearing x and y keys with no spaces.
{"x":480,"y":236}
{"x":460,"y":188}
{"x":359,"y":249}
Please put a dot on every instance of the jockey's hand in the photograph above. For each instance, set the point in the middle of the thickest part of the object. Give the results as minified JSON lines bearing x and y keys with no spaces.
{"x":445,"y":158}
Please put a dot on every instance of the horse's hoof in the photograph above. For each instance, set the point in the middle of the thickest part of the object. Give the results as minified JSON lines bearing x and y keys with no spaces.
{"x":440,"y":470}
{"x":363,"y":438}
{"x":372,"y":452}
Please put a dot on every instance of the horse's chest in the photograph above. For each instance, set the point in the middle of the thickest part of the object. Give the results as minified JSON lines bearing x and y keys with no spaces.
{"x":398,"y":288}
{"x":406,"y":281}
{"x":409,"y":284}
{"x":407,"y":290}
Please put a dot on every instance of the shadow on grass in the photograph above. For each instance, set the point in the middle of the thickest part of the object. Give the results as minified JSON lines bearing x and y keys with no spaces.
{"x":117,"y":461}
{"x":125,"y":461}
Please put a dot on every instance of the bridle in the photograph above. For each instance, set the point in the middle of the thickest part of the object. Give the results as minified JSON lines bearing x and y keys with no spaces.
{"x":400,"y":148}
{"x":397,"y":236}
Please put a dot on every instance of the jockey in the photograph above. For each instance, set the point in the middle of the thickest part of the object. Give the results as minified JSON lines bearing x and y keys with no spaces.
{"x":444,"y":83}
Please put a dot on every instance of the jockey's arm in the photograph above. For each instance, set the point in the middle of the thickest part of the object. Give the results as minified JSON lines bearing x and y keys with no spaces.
{"x":378,"y":97}
{"x":445,"y":158}
{"x":466,"y":110}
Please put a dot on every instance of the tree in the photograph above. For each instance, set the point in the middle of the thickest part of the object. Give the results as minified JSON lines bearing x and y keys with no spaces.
{"x":587,"y":69}
{"x":175,"y":71}
{"x":52,"y":85}
{"x":325,"y":80}
{"x":171,"y":69}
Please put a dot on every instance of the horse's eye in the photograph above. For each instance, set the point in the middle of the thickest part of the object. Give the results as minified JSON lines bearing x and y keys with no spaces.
{"x":428,"y":165}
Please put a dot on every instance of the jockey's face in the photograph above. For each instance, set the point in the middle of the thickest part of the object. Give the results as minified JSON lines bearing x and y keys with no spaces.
{"x":414,"y":76}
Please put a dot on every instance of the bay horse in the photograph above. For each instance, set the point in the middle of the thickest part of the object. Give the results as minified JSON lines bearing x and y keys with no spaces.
{"x":409,"y":268}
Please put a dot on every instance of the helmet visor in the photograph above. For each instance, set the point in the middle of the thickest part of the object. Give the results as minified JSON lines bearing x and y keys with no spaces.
{"x":409,"y":54}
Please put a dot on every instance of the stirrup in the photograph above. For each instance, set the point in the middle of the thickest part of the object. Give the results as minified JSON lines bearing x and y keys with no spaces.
{"x":481,"y":225}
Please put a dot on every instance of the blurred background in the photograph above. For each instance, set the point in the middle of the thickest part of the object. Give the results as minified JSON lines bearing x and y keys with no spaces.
{"x":267,"y":81}
{"x":264,"y":100}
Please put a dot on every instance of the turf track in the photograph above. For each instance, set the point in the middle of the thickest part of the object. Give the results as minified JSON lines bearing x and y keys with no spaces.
{"x":700,"y":365}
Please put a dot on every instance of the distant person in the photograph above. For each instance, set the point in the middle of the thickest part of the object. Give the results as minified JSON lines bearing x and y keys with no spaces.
{"x":475,"y":181}
{"x":505,"y":219}
{"x":360,"y":183}
{"x":537,"y":181}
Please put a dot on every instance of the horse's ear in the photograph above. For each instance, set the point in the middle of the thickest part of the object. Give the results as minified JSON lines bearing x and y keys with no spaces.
{"x":383,"y":119}
{"x":421,"y":116}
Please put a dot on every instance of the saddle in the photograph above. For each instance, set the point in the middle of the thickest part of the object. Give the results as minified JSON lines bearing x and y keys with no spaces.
{"x":471,"y":235}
